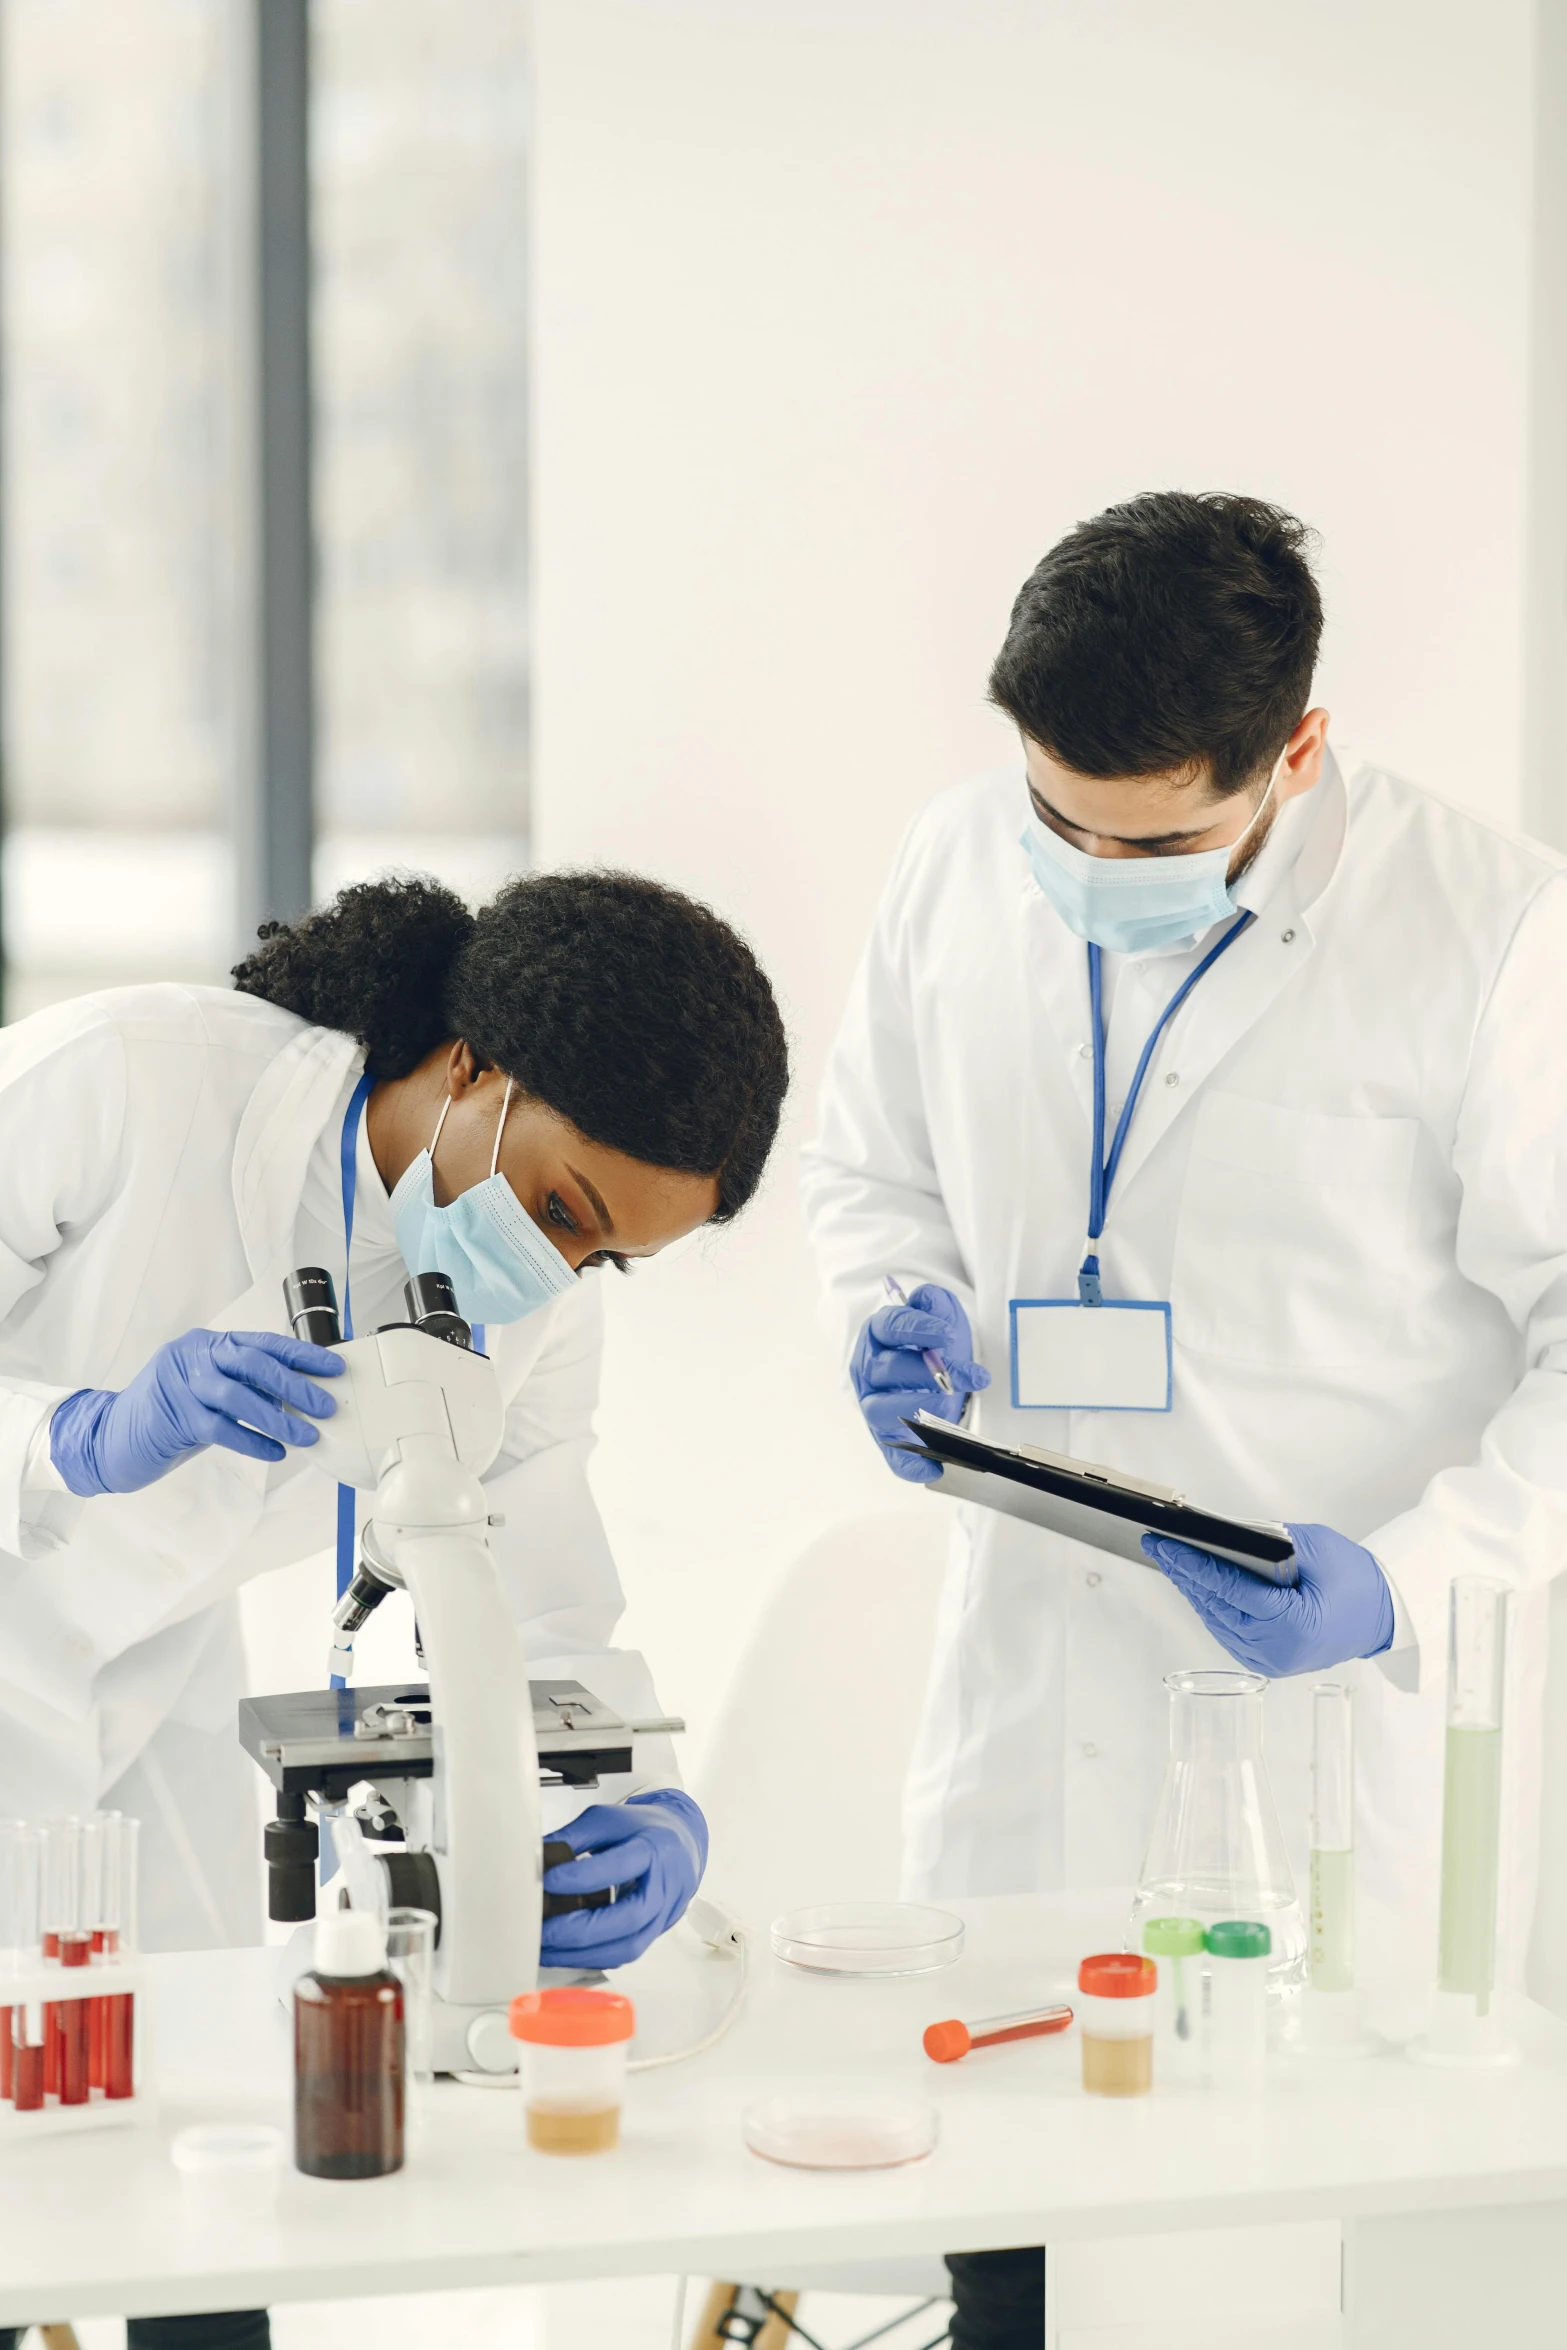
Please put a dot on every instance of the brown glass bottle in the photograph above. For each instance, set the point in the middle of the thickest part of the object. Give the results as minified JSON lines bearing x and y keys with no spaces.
{"x":348,"y":2057}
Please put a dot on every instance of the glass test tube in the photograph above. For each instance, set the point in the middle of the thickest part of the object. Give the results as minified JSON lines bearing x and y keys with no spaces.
{"x":118,"y":1934}
{"x":1472,"y":1787}
{"x":101,"y":1879}
{"x":96,"y":1854}
{"x":22,"y":2046}
{"x":11,"y":1951}
{"x":60,"y":1913}
{"x":1332,"y":1960}
{"x":61,"y":1887}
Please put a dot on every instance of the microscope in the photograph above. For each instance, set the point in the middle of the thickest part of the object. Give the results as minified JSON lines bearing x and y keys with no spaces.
{"x":451,"y":1769}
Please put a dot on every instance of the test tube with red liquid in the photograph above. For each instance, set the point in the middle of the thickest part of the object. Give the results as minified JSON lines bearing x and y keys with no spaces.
{"x":62,"y":1897}
{"x":21,"y":2021}
{"x":951,"y":2039}
{"x":114,"y":1940}
{"x":13,"y":1942}
{"x":99,"y":1861}
{"x":67,"y":1902}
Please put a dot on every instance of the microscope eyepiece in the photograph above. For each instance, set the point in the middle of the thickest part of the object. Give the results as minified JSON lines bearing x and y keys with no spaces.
{"x":310,"y":1301}
{"x":432,"y":1306}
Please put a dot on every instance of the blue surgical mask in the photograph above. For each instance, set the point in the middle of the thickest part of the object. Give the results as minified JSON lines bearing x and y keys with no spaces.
{"x":498,"y":1261}
{"x":1132,"y":904}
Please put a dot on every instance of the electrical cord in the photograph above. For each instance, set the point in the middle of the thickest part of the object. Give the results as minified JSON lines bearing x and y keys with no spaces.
{"x":712,"y":1924}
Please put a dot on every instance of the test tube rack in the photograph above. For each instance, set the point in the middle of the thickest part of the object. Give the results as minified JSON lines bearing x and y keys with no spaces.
{"x":73,"y":1996}
{"x":48,"y":1988}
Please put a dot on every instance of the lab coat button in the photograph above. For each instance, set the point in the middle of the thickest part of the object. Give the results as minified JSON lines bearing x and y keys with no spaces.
{"x":1085,"y":1052}
{"x":1173,"y":1078}
{"x":1094,"y":1578}
{"x":1286,"y":936}
{"x":1090,"y":1750}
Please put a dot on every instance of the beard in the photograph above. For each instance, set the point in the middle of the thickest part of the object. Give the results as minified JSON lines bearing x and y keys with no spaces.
{"x":1252,"y":846}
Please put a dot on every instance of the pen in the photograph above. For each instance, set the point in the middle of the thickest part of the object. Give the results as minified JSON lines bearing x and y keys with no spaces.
{"x":928,"y":1355}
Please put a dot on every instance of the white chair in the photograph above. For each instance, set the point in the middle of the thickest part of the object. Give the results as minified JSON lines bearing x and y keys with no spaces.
{"x":802,"y":1783}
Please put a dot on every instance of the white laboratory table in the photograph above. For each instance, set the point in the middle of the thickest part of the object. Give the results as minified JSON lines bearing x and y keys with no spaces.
{"x":1449,"y":2189}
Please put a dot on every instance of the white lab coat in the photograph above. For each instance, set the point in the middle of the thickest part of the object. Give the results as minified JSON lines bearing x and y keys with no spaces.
{"x":1348,"y":1174}
{"x":155,"y":1142}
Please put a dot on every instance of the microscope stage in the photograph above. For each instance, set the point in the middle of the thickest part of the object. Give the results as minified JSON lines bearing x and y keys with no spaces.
{"x":326,"y":1740}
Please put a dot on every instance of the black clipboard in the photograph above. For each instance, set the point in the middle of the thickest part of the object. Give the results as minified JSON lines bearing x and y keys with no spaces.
{"x":1103,"y":1507}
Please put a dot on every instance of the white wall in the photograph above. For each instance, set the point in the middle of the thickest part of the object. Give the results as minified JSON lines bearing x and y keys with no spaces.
{"x":844,"y":310}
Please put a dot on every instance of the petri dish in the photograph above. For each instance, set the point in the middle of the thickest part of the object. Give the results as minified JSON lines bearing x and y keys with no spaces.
{"x":873,"y":1939}
{"x":227,"y":2147}
{"x":816,"y":2132}
{"x":229,"y":2166}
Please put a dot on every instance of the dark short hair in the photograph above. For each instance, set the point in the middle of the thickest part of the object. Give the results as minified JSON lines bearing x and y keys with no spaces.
{"x":1178,"y":630}
{"x":636,"y":1013}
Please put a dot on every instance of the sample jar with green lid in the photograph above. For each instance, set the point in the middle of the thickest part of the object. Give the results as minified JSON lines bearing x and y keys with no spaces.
{"x":1238,"y":1951}
{"x":1177,"y":1947}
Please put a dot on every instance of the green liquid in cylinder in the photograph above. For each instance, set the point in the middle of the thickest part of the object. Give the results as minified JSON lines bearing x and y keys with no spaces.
{"x":1332,"y":1921}
{"x":1471,"y":1821}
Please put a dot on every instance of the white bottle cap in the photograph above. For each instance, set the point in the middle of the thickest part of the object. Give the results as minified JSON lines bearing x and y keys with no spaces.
{"x":349,"y":1942}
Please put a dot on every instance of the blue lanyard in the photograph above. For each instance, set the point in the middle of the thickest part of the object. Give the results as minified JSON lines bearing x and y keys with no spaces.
{"x":1102,"y":1170}
{"x":348,"y":1152}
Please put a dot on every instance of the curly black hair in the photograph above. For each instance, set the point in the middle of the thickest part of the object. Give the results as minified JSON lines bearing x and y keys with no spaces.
{"x":632,"y":1011}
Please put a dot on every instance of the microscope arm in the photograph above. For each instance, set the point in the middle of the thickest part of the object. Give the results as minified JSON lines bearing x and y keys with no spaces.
{"x":429,"y":1522}
{"x":418,"y":1420}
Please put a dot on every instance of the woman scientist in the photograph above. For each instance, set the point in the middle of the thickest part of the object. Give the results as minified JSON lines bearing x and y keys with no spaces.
{"x":584,"y":1072}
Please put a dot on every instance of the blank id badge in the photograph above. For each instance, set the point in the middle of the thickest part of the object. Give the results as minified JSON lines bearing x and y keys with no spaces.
{"x":1114,"y":1357}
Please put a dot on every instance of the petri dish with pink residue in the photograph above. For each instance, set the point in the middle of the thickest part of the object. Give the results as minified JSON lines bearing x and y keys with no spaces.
{"x":817,"y":2131}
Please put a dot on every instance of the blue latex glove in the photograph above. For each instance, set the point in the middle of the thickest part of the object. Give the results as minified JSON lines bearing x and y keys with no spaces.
{"x":654,"y":1847}
{"x":1340,"y":1608}
{"x":892,"y":1382}
{"x":225,"y":1387}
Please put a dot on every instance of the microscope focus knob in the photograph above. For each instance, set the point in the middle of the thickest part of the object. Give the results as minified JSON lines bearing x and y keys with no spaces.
{"x":490,"y":2043}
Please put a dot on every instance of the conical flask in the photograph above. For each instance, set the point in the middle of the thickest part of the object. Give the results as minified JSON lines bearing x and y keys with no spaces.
{"x":1217,"y":1850}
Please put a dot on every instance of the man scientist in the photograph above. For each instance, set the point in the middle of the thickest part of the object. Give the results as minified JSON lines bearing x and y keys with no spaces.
{"x":1325,"y":1014}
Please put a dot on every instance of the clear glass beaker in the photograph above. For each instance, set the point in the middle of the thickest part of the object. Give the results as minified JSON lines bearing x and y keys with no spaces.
{"x":1217,"y":1851}
{"x":410,"y":1953}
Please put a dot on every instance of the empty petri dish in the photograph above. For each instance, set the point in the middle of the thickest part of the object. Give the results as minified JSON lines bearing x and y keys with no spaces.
{"x":844,"y":2132}
{"x":229,"y":2164}
{"x":871,"y":1938}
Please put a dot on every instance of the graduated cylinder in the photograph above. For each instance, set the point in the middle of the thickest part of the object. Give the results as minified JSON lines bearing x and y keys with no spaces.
{"x":1332,"y":1960}
{"x":1472,"y":1787}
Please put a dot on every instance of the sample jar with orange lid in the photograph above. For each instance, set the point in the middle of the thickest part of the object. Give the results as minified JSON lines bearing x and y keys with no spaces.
{"x":1115,"y":2013}
{"x":573,"y":2066}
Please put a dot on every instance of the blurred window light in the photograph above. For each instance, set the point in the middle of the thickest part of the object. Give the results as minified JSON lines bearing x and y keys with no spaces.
{"x":122,"y":285}
{"x":418,"y":154}
{"x":116,"y":654}
{"x":141,"y":905}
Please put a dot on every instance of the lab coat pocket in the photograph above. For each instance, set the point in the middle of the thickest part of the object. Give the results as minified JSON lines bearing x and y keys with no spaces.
{"x":1293,"y":1230}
